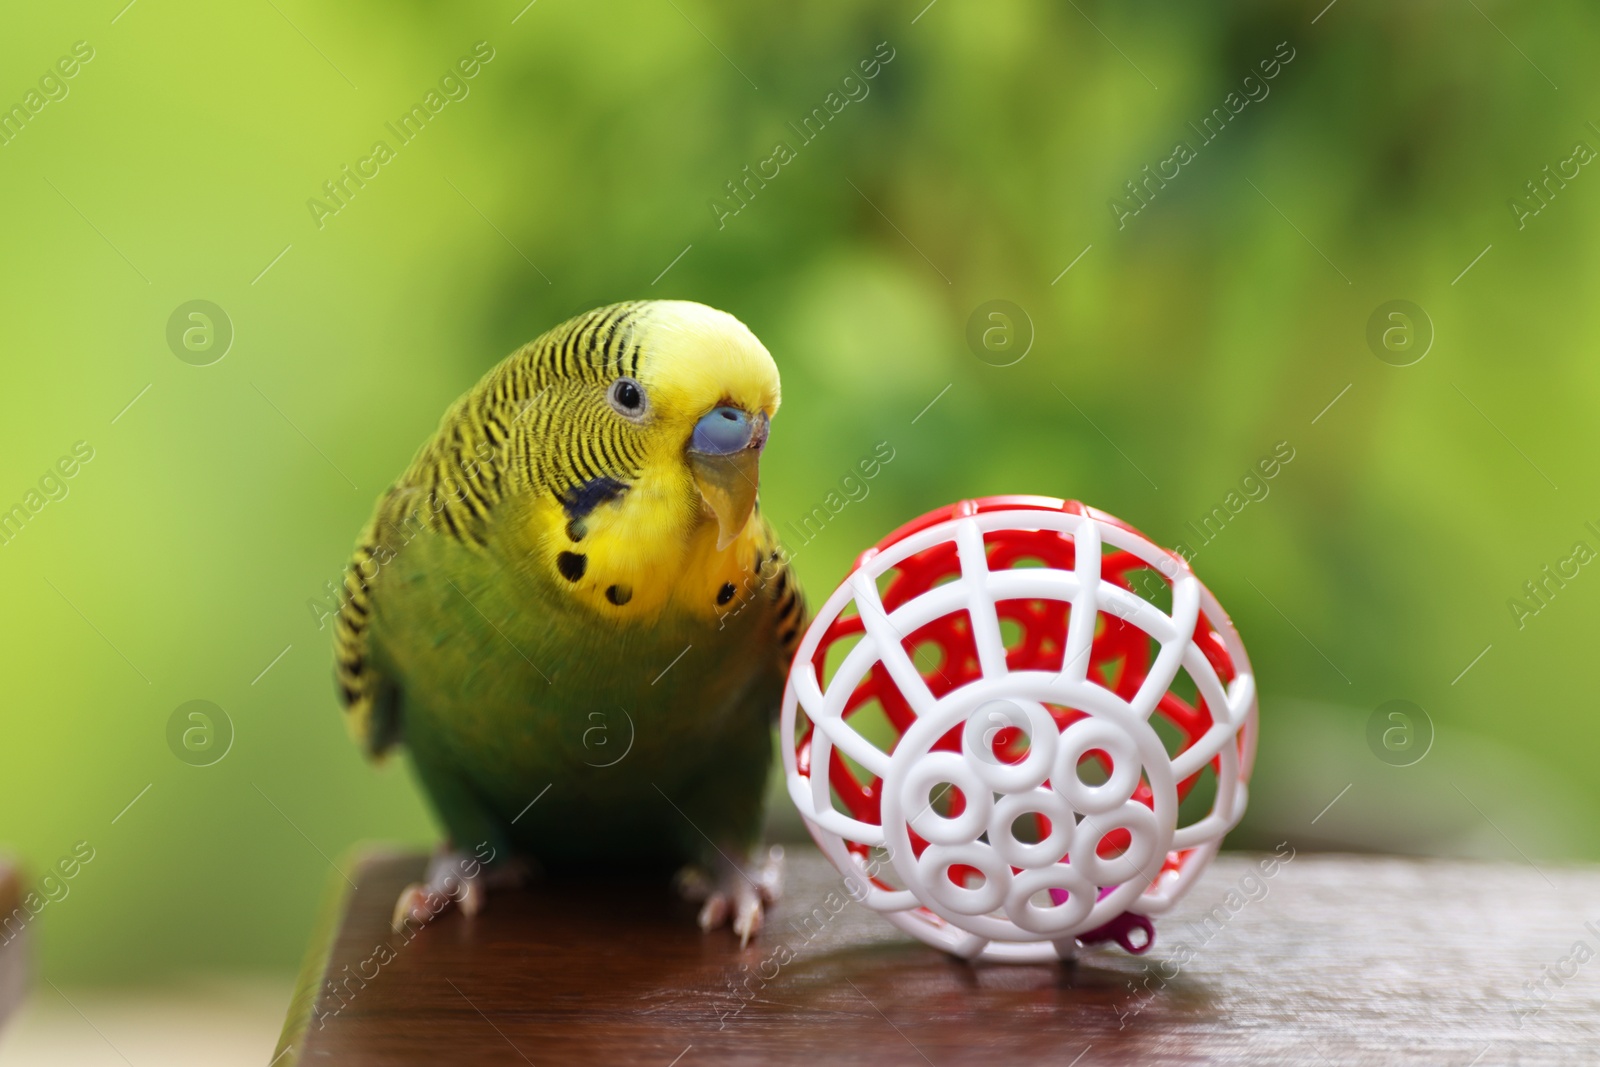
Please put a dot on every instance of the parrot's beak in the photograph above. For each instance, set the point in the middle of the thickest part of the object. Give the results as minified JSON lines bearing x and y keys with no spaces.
{"x":725,"y":458}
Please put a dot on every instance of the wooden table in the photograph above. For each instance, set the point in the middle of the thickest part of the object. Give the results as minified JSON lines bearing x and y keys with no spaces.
{"x":1333,"y":960}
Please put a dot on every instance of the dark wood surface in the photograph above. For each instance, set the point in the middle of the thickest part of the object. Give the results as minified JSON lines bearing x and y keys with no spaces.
{"x":1336,"y":960}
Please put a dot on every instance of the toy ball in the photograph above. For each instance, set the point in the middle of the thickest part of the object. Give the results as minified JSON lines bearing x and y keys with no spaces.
{"x":1018,"y":727}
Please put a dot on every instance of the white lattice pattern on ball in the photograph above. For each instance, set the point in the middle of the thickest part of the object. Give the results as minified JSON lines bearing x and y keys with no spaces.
{"x":1002,"y":729}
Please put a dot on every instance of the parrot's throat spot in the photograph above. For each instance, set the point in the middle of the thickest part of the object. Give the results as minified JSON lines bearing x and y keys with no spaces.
{"x":580,"y":500}
{"x":619,"y":594}
{"x":572,"y":565}
{"x":576,"y":531}
{"x":725,"y":594}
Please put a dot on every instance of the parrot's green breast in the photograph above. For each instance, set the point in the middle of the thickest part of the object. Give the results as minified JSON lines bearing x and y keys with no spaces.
{"x":538,"y":724}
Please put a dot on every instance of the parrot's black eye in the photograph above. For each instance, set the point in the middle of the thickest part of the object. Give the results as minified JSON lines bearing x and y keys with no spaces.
{"x":627,"y":398}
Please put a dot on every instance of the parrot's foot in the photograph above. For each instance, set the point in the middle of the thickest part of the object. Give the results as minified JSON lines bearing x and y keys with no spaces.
{"x":456,"y":876}
{"x":739,"y":891}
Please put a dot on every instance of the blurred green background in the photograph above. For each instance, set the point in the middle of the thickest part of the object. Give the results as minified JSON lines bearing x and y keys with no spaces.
{"x":1178,"y":351}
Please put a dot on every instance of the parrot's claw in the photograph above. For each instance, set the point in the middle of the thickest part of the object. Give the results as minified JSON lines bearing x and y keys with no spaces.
{"x":741,"y":893}
{"x":453,"y":876}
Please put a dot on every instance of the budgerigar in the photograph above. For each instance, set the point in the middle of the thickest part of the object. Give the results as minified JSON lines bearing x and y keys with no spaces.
{"x":572,"y":615}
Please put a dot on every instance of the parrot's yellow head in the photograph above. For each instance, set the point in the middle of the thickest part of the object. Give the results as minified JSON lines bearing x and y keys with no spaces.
{"x":714,"y":390}
{"x":645,"y":439}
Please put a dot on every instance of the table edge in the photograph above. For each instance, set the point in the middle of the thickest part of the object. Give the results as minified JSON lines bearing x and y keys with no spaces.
{"x":337,"y":898}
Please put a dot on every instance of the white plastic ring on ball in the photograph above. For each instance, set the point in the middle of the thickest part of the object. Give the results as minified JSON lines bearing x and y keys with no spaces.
{"x":1059,"y":918}
{"x":934,"y":867}
{"x":1044,"y":852}
{"x":1085,"y":736}
{"x":931,"y":770}
{"x":977,"y":740}
{"x":1144,"y":835}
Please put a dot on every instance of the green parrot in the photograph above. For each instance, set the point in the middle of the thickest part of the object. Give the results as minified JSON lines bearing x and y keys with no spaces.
{"x":571,"y":613}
